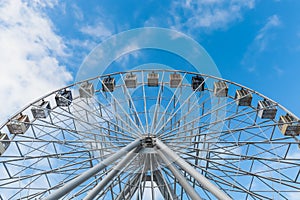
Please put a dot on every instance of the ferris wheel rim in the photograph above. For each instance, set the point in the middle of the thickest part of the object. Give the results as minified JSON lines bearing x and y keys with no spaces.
{"x":133,"y":71}
{"x":136,"y":70}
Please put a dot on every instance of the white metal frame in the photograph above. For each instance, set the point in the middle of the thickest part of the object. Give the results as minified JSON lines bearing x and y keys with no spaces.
{"x":116,"y":145}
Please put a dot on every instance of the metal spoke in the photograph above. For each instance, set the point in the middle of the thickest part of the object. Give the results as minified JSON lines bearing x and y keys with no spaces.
{"x":139,"y":141}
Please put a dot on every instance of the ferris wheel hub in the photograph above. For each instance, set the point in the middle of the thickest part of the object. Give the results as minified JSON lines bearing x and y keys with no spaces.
{"x":148,"y":141}
{"x":217,"y":137}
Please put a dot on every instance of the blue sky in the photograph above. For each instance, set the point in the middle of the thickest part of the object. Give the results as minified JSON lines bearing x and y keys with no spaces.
{"x":253,"y":42}
{"x":43,"y":42}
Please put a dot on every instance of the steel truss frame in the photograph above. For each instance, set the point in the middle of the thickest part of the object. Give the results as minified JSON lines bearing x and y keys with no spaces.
{"x":178,"y":142}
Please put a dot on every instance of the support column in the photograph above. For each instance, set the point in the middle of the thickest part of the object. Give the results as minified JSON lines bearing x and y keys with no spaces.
{"x":129,"y":188}
{"x":119,"y":167}
{"x":182,"y":181}
{"x":69,"y":186}
{"x":164,"y":187}
{"x":205,"y":183}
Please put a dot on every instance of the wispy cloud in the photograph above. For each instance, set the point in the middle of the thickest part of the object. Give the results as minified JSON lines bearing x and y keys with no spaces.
{"x":207,"y":14}
{"x":42,"y":3}
{"x":77,"y":12}
{"x":278,"y":70}
{"x":92,"y":31}
{"x":260,"y":44}
{"x":97,"y":30}
{"x":30,"y":51}
{"x":82,"y":45}
{"x":263,"y":35}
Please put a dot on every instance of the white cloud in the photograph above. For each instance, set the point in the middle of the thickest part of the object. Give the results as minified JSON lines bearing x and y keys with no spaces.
{"x":125,"y":60}
{"x":85,"y":46}
{"x":263,"y":36}
{"x":207,"y":14}
{"x":99,"y":30}
{"x":77,"y":12}
{"x":42,"y":3}
{"x":29,"y":50}
{"x":278,"y":70}
{"x":261,"y":43}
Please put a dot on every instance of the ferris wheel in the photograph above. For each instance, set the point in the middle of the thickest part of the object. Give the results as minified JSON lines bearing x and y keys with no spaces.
{"x":151,"y":134}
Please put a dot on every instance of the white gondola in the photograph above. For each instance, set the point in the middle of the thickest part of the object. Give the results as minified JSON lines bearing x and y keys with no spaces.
{"x":243,"y":97}
{"x":86,"y":90}
{"x":41,"y":109}
{"x":175,"y":80}
{"x":108,"y":84}
{"x":289,"y":126}
{"x":153,"y":79}
{"x":3,"y":144}
{"x":198,"y":83}
{"x":266,"y":109}
{"x":220,"y":89}
{"x":131,"y":80}
{"x":64,"y":98}
{"x":19,"y":124}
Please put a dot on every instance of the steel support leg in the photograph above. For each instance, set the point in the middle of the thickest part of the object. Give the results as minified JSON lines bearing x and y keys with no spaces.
{"x":182,"y":181}
{"x":118,"y":168}
{"x":164,"y":187}
{"x":129,"y":188}
{"x":205,"y":183}
{"x":69,"y":186}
